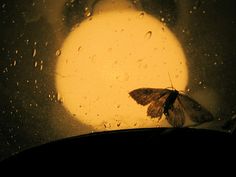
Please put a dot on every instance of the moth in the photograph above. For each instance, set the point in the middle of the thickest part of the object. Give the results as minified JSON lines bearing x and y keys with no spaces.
{"x":173,"y":104}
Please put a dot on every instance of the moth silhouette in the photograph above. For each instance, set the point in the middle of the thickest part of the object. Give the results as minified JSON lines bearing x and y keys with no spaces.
{"x":173,"y":104}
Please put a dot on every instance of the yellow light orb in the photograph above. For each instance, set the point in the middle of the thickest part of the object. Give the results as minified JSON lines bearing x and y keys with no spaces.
{"x":111,"y":54}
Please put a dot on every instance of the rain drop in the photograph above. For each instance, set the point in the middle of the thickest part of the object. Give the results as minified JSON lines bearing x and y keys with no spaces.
{"x":34,"y":53}
{"x":141,"y":15}
{"x":87,"y":13}
{"x":79,"y":48}
{"x":58,"y":53}
{"x":148,"y":35}
{"x":35,"y":64}
{"x":27,"y":41}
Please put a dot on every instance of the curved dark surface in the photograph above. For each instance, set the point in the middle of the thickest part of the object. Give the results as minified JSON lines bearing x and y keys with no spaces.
{"x":117,"y":142}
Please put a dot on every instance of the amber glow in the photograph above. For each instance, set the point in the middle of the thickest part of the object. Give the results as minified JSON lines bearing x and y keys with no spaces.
{"x":109,"y":55}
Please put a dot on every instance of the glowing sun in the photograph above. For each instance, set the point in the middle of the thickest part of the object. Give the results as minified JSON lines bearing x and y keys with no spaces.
{"x":110,"y":54}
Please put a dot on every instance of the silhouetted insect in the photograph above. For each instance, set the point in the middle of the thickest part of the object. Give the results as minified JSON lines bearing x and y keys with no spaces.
{"x":173,"y":104}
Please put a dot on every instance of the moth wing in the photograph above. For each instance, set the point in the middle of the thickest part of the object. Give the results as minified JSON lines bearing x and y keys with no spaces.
{"x":196,"y":112}
{"x":145,"y":96}
{"x":156,"y":108}
{"x":175,"y":115}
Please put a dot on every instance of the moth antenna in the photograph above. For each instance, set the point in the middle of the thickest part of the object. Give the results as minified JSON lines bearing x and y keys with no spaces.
{"x":170,"y":80}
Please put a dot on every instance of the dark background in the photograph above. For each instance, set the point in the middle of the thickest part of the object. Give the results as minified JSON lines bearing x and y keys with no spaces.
{"x":31,"y":114}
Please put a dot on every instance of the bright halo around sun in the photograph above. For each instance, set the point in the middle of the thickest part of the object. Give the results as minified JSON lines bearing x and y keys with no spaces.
{"x":110,"y":54}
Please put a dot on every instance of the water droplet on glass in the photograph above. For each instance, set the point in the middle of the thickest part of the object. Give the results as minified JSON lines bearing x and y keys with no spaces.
{"x":87,"y":12}
{"x":35,"y":64}
{"x":58,"y":53}
{"x":79,"y":48}
{"x":194,"y":7}
{"x":34,"y":53}
{"x":148,"y":35}
{"x":215,"y":63}
{"x":162,"y":19}
{"x":188,"y":90}
{"x":41,"y":67}
{"x":203,"y":11}
{"x":14,"y":63}
{"x":190,"y":11}
{"x":27,"y":41}
{"x":141,"y":15}
{"x":200,"y":82}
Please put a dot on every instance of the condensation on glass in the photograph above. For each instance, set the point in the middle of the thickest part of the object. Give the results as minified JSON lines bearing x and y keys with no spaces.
{"x":32,"y":35}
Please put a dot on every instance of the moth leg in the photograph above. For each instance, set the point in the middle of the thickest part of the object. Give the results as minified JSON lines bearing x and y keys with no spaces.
{"x":160,"y":118}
